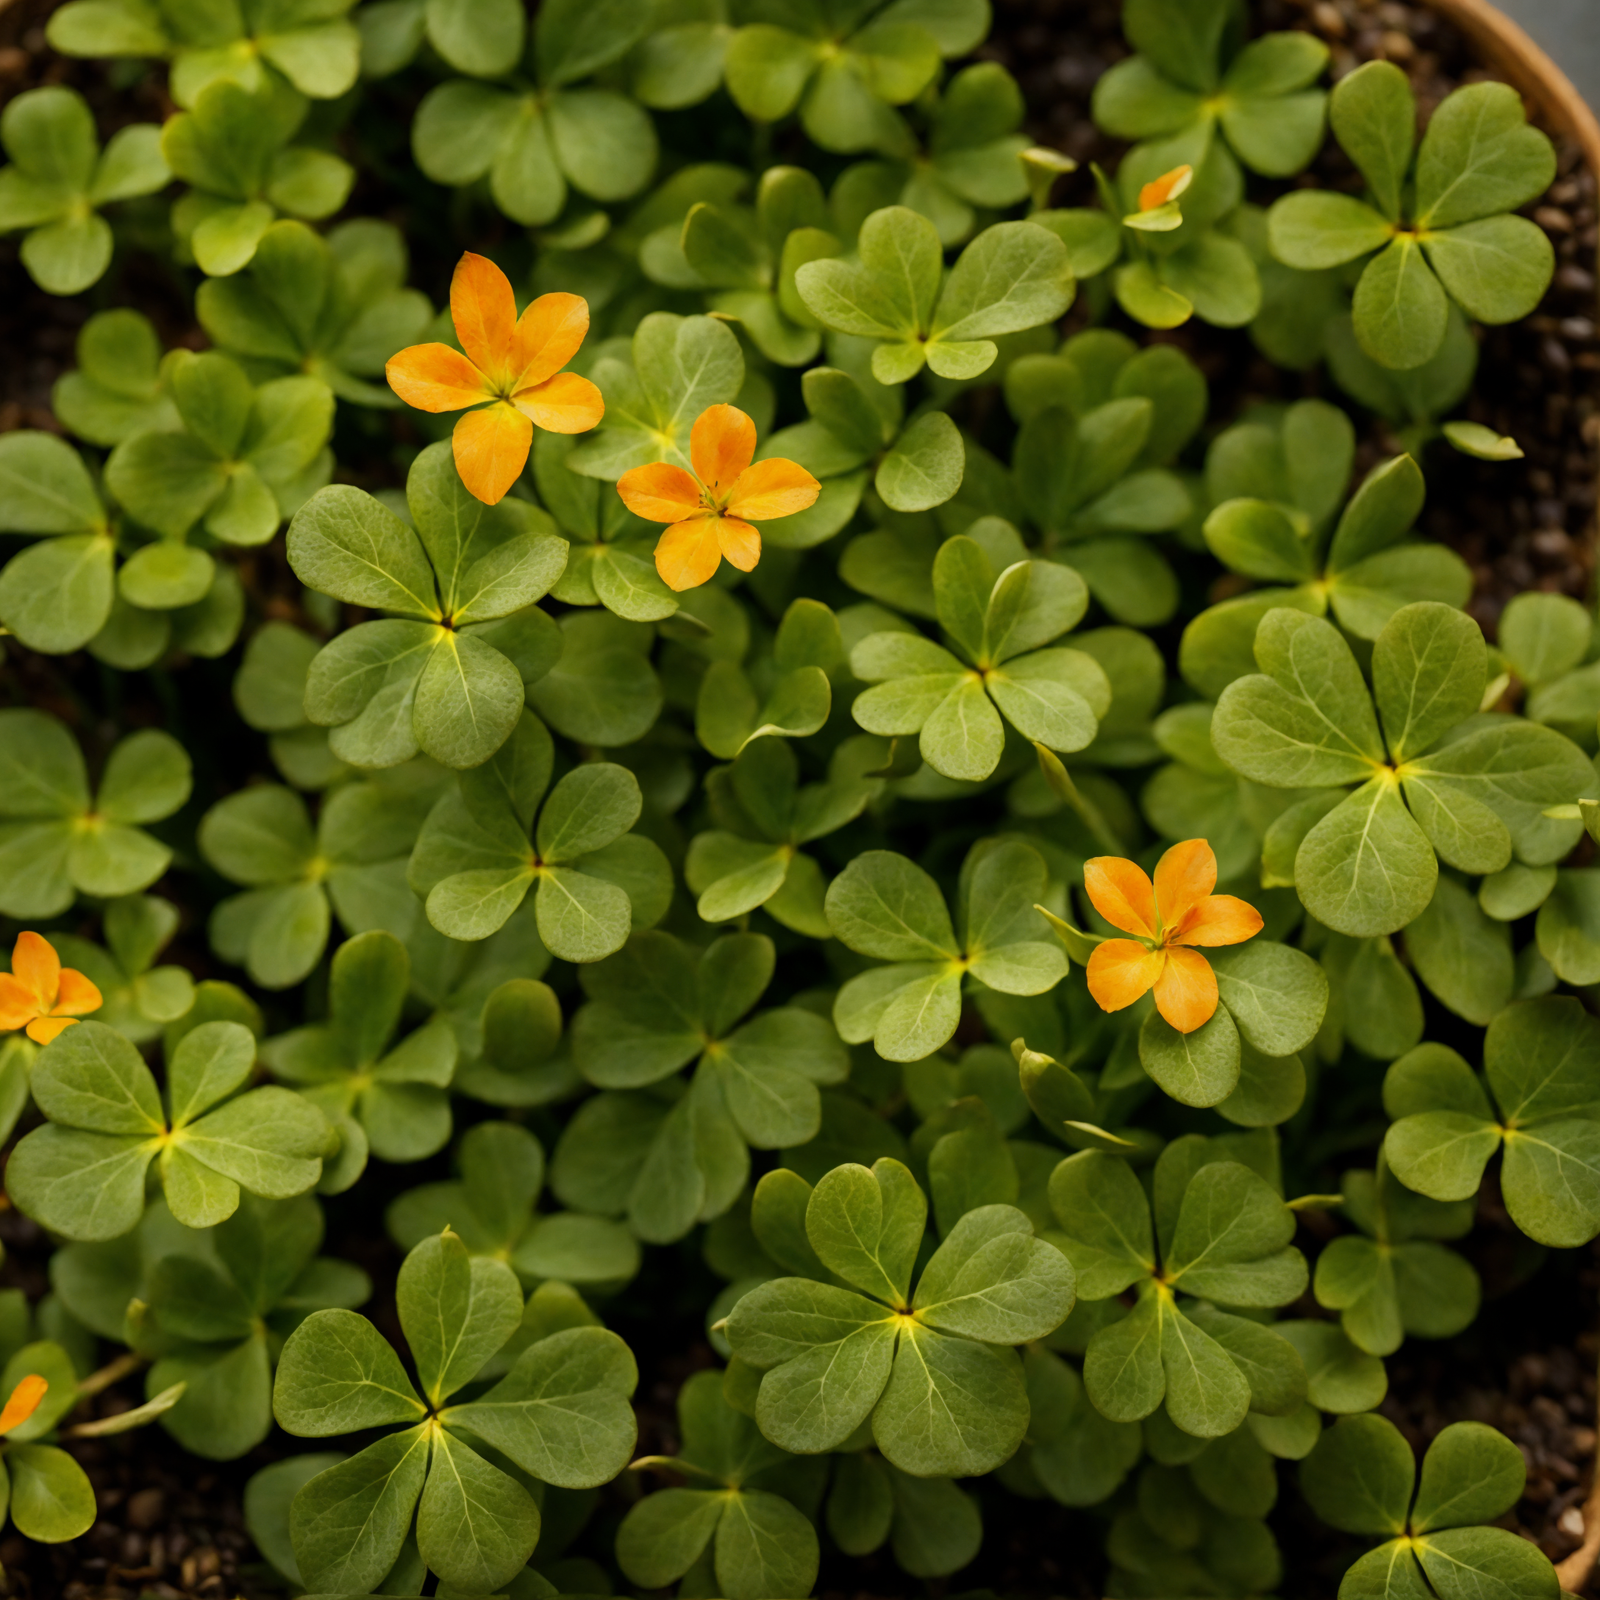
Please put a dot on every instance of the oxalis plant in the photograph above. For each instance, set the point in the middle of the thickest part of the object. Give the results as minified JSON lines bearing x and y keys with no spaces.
{"x":653,"y":725}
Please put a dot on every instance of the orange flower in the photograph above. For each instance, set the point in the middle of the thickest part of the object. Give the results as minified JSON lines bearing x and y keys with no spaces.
{"x":711,"y":509}
{"x":41,"y":995}
{"x":23,"y":1403}
{"x":513,"y":362}
{"x":1167,"y":187}
{"x":1178,"y":912}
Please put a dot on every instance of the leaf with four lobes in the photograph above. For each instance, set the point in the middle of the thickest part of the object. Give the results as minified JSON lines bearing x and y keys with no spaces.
{"x":999,"y":661}
{"x":1014,"y":275}
{"x":59,"y":838}
{"x":1441,"y":780}
{"x":242,"y":459}
{"x":1438,"y":223}
{"x":1275,"y":492}
{"x":217,"y":1320}
{"x":1538,"y":1100}
{"x":499,"y":833}
{"x":83,"y":1173}
{"x":233,"y":149}
{"x":1392,"y":1278}
{"x":1224,"y":1236}
{"x":58,"y":179}
{"x":296,"y":877}
{"x":1362,"y":1479}
{"x":671,"y":1153}
{"x":308,"y":42}
{"x":535,"y":141}
{"x":885,"y":906}
{"x":756,"y":1541}
{"x":491,"y":1207}
{"x":845,"y":73}
{"x":392,"y":1098}
{"x":120,"y":385}
{"x":138,"y":997}
{"x":447,"y":669}
{"x":1195,"y":74}
{"x":931,"y":1369}
{"x":610,"y":559}
{"x":335,"y":308}
{"x":561,"y":1415}
{"x":763,"y":815}
{"x":675,"y":368}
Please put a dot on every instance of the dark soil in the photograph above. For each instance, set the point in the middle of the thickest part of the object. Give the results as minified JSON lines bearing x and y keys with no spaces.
{"x":172,"y":1526}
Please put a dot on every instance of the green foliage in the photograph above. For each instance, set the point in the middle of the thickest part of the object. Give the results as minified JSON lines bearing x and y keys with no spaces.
{"x":1221,"y":1234}
{"x":446,"y":670}
{"x":744,"y":930}
{"x":1013,"y":276}
{"x":887,"y":907}
{"x":1441,"y":780}
{"x":671,"y":1153}
{"x":60,"y":838}
{"x":1438,"y":224}
{"x":929,"y":1368}
{"x":559,"y":1416}
{"x":58,"y":179}
{"x":1536,"y":1100}
{"x":1195,"y":81}
{"x":1361,"y":1479}
{"x":309,"y":43}
{"x":760,"y":1544}
{"x":333,"y":308}
{"x":353,"y":864}
{"x":83,"y":1173}
{"x":234,"y":149}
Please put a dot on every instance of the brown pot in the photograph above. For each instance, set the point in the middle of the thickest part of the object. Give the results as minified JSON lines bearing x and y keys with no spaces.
{"x":1511,"y":53}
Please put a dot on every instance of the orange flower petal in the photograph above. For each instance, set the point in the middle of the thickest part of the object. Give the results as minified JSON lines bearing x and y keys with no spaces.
{"x":34,"y":962}
{"x":1221,"y":919}
{"x":23,"y":1403}
{"x":775,"y":488}
{"x":43,"y":1029}
{"x":688,"y":553}
{"x":433,"y":377}
{"x":565,"y":403}
{"x":18,"y":1003}
{"x":491,"y":449}
{"x":722,"y":444}
{"x":1185,"y":875}
{"x":661,"y":492}
{"x":1167,"y":187}
{"x":741,"y":543}
{"x":1186,"y":993}
{"x":484,"y":311}
{"x":1122,"y":894}
{"x":547,"y":337}
{"x":1120,"y":971}
{"x":77,"y":995}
